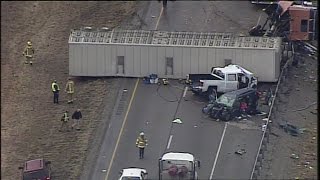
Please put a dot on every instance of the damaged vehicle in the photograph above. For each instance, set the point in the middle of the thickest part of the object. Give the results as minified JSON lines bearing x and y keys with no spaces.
{"x":222,"y":80}
{"x":227,"y":106}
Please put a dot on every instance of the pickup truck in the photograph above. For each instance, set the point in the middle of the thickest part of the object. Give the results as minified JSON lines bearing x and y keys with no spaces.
{"x":221,"y":80}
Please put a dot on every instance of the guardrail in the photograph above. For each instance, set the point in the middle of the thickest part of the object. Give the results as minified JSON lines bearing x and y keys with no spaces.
{"x":266,"y":127}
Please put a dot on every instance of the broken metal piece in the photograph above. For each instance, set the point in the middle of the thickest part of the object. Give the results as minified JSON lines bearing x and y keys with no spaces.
{"x":240,"y":151}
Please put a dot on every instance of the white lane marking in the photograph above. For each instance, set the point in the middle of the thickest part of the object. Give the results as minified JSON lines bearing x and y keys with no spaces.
{"x":159,"y":19}
{"x":170,"y":139}
{"x":185,"y":92}
{"x":216,"y":159}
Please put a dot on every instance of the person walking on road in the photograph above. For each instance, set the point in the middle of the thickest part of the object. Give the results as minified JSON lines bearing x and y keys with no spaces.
{"x":55,"y":89}
{"x":70,"y":90}
{"x":64,"y":122}
{"x":141,"y":143}
{"x":76,"y":116}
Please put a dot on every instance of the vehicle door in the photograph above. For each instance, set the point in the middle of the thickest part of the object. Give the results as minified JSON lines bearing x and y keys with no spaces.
{"x":231,"y":82}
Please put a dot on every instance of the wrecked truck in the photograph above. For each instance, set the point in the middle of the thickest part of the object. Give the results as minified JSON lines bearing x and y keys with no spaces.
{"x":222,"y":80}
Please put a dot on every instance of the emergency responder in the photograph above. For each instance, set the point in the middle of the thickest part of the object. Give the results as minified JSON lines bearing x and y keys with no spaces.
{"x":28,"y":53}
{"x":141,"y":143}
{"x":64,"y":121}
{"x":70,"y":90}
{"x":55,"y":89}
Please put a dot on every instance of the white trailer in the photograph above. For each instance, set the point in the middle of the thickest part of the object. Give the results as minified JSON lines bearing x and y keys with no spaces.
{"x":139,"y":53}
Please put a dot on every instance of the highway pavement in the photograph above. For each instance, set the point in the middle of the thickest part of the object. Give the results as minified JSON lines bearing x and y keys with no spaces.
{"x":151,"y":108}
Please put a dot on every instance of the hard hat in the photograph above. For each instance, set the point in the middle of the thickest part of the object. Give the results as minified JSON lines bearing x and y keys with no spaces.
{"x":29,"y":43}
{"x":141,"y":134}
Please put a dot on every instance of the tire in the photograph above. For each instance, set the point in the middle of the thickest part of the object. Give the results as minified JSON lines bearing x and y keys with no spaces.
{"x":212,"y":91}
{"x":164,"y":3}
{"x":228,"y":117}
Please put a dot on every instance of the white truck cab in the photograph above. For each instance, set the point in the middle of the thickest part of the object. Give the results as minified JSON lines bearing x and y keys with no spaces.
{"x":133,"y":174}
{"x":178,"y":165}
{"x":222,"y":80}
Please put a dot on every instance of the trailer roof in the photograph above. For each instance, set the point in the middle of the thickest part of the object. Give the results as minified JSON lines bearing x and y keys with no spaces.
{"x":165,"y":38}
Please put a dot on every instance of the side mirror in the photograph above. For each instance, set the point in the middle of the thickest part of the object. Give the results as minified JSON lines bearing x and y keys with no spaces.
{"x":198,"y":163}
{"x":48,"y":162}
{"x":120,"y":172}
{"x":20,"y":168}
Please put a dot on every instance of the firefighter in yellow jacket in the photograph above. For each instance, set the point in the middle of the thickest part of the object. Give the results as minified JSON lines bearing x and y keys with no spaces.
{"x":141,"y":143}
{"x":70,"y":90}
{"x":28,"y":53}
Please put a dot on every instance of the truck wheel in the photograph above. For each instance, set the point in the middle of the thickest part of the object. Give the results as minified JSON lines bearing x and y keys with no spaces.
{"x":228,"y":117}
{"x":212,"y":93}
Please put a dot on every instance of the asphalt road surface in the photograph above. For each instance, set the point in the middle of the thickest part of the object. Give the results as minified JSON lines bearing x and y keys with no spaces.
{"x":151,"y":108}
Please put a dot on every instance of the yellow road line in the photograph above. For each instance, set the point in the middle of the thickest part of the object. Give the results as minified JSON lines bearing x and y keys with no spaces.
{"x":123,"y":123}
{"x":159,"y":19}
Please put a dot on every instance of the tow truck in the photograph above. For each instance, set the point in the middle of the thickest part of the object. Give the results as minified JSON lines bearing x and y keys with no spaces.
{"x":221,"y":80}
{"x":178,"y":165}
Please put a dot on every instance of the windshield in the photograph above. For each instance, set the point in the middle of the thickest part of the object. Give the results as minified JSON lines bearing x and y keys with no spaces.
{"x":41,"y":174}
{"x":130,"y":178}
{"x":218,"y":73}
{"x":226,"y":99}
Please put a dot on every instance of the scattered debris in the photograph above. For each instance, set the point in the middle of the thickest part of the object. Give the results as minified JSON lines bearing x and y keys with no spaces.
{"x":304,"y":107}
{"x":177,"y":120}
{"x":264,"y":127}
{"x":272,"y":133}
{"x":291,"y":129}
{"x":294,"y":156}
{"x":313,"y":138}
{"x":261,"y":113}
{"x":240,"y":151}
{"x":195,"y":126}
{"x":296,"y":76}
{"x":153,"y":16}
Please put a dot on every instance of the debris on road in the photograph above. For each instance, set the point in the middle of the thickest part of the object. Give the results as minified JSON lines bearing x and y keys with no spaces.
{"x":240,"y":151}
{"x":264,"y":127}
{"x":177,"y":120}
{"x":294,"y":156}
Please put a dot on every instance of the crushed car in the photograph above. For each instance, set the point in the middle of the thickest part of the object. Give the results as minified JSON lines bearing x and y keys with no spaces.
{"x":227,"y":106}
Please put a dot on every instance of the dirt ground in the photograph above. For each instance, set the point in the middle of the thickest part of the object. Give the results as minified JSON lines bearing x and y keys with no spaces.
{"x":29,"y":119}
{"x":294,"y":105}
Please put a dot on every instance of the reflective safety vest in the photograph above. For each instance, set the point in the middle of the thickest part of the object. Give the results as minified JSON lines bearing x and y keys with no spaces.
{"x":65,"y":117}
{"x":70,"y":87}
{"x":141,"y":142}
{"x":55,"y":87}
{"x":28,"y":51}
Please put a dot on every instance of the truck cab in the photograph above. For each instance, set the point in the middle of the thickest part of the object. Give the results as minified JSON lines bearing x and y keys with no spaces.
{"x":178,"y":165}
{"x":222,"y":80}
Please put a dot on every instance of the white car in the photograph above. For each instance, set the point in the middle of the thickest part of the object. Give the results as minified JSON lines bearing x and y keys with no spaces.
{"x":133,"y":174}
